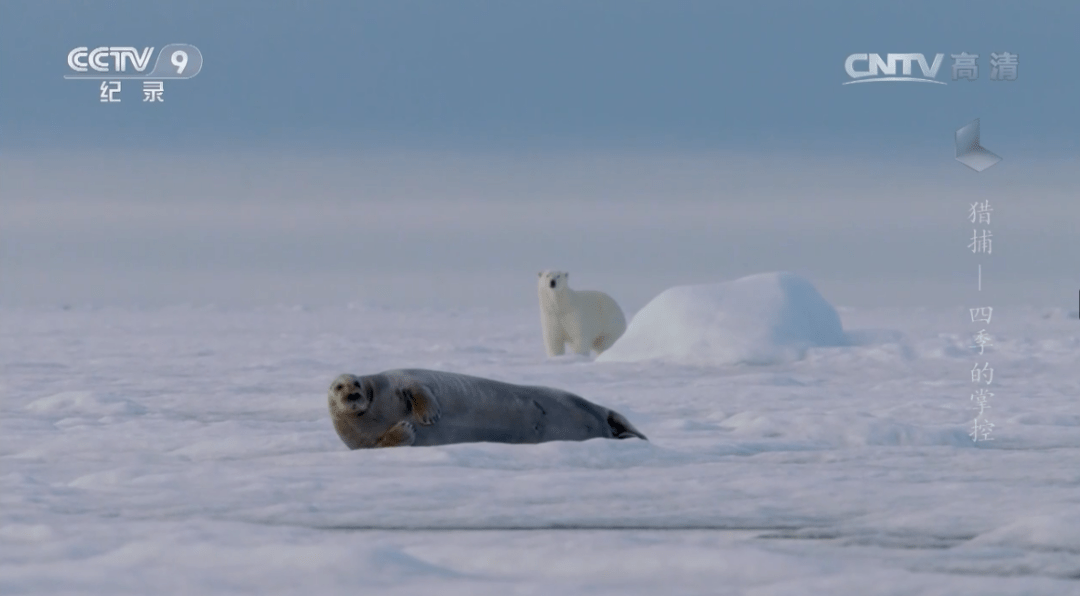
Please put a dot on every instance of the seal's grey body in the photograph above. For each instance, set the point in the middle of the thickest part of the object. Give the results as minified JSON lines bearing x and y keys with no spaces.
{"x":426,"y":407}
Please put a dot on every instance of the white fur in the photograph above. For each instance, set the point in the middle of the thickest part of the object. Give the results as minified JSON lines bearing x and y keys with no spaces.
{"x":587,"y":320}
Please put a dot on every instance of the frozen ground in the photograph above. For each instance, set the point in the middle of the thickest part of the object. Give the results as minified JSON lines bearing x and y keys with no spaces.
{"x":189,"y":451}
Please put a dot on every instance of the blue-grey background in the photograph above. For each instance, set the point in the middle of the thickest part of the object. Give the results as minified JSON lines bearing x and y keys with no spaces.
{"x":440,"y":153}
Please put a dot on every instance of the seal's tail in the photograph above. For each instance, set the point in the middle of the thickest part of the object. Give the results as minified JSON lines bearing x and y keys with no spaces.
{"x":621,"y":427}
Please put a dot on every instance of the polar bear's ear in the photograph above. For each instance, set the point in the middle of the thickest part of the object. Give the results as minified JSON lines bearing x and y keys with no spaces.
{"x":540,"y":274}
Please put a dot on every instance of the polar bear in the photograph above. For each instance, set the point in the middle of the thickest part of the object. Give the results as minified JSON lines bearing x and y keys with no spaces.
{"x":589,"y":320}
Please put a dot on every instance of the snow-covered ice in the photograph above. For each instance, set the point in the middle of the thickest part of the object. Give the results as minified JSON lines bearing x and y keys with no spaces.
{"x":760,"y":319}
{"x":189,"y":450}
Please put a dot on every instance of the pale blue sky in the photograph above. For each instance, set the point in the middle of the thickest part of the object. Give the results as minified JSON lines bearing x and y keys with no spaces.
{"x":439,"y":153}
{"x":553,"y":74}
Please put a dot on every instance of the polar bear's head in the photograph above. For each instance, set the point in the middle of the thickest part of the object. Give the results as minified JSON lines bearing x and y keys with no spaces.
{"x":553,"y":280}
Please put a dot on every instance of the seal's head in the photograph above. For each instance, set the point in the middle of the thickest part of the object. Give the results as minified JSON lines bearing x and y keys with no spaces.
{"x":349,"y":395}
{"x":378,"y":410}
{"x":553,"y":280}
{"x":364,"y":408}
{"x":352,"y":401}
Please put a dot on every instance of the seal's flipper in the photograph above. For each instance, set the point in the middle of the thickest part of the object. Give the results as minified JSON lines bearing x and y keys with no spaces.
{"x":399,"y":435}
{"x":422,"y":403}
{"x":621,"y":427}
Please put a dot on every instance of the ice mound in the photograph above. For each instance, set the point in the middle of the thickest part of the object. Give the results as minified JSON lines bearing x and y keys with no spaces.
{"x":760,"y":319}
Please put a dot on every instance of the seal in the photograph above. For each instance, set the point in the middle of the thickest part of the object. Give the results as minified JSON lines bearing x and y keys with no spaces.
{"x":427,"y":407}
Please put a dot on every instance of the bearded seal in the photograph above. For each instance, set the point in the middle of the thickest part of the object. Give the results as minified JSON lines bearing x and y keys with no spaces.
{"x":428,"y":407}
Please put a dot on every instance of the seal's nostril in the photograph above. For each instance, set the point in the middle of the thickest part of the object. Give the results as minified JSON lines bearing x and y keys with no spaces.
{"x":352,"y":396}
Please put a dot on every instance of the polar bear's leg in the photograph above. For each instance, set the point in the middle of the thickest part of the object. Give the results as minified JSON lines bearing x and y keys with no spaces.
{"x":610,"y":332}
{"x":580,"y":345}
{"x":601,"y":343}
{"x":557,"y":347}
{"x":613,"y":323}
{"x":554,"y":339}
{"x":587,"y":329}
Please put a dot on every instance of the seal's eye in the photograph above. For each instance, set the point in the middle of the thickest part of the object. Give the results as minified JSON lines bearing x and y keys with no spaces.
{"x":338,"y":387}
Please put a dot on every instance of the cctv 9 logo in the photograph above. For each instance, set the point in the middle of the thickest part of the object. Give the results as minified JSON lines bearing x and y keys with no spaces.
{"x":174,"y":61}
{"x":177,"y":61}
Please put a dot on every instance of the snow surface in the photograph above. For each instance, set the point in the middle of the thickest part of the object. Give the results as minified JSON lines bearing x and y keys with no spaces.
{"x":761,"y":319}
{"x":188,"y":450}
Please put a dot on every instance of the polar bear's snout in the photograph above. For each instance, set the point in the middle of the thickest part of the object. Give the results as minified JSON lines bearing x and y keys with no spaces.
{"x":552,"y":284}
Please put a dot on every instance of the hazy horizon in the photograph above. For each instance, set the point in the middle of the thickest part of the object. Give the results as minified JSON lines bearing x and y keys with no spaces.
{"x":453,"y":231}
